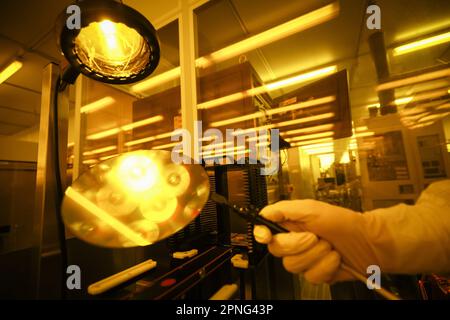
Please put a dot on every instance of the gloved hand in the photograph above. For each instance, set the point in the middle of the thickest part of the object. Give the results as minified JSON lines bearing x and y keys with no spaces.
{"x":401,"y":239}
{"x":322,"y":236}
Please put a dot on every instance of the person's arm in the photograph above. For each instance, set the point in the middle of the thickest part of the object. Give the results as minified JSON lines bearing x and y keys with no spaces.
{"x":413,"y":239}
{"x":401,"y":239}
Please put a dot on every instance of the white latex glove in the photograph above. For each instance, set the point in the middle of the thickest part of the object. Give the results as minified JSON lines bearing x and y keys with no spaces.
{"x":401,"y":239}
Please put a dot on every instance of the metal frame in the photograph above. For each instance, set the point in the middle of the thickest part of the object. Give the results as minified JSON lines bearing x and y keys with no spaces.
{"x":44,"y":215}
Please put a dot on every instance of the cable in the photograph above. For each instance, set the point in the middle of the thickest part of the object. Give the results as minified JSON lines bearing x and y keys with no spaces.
{"x":59,"y":193}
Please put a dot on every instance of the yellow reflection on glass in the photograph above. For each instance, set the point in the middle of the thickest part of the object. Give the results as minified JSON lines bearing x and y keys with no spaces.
{"x":112,"y":49}
{"x":137,"y":173}
{"x":159,"y":211}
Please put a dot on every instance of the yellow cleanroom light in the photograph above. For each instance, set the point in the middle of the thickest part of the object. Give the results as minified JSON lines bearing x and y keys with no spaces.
{"x":422,"y":44}
{"x":345,"y":158}
{"x":148,"y":139}
{"x":98,"y":104}
{"x":272,"y":35}
{"x":373,"y":105}
{"x":402,"y":101}
{"x":326,"y":160}
{"x":100,"y":150}
{"x":281,"y":31}
{"x":157,"y":80}
{"x":414,"y":79}
{"x":302,"y":78}
{"x":322,"y":127}
{"x":111,"y":48}
{"x":361,"y":128}
{"x":310,"y":142}
{"x":311,"y":136}
{"x":127,"y":127}
{"x":10,"y":70}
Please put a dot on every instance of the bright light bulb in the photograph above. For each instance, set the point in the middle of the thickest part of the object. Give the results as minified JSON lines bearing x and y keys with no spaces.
{"x":112,"y":49}
{"x":110,"y":33}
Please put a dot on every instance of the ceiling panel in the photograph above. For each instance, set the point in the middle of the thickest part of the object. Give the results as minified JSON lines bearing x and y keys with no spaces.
{"x":28,"y":20}
{"x":8,"y":50}
{"x":304,"y":50}
{"x":8,"y":129}
{"x":269,"y":13}
{"x":19,"y":99}
{"x":24,"y":119}
{"x":217,"y":27}
{"x":155,"y":11}
{"x":221,"y":23}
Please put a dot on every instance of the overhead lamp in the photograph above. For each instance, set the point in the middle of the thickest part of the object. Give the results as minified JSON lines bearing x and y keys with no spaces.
{"x":97,"y":105}
{"x":421,"y":96}
{"x":90,"y":161}
{"x":166,"y":146}
{"x":108,"y":157}
{"x":443,"y":106}
{"x":103,"y":134}
{"x":115,"y":44}
{"x":402,"y":101}
{"x":99,"y":150}
{"x":322,"y":116}
{"x":220,"y":151}
{"x":318,"y":145}
{"x":279,"y":32}
{"x":310,"y":136}
{"x":373,"y":105}
{"x":311,"y":142}
{"x":157,"y":80}
{"x":318,"y":117}
{"x":254,"y":129}
{"x":414,"y":79}
{"x":419,"y":108}
{"x":361,"y":128}
{"x":302,"y":78}
{"x":9,"y":70}
{"x":259,"y":114}
{"x":148,"y":139}
{"x":272,"y":86}
{"x":433,"y":117}
{"x":422,"y":44}
{"x":364,"y":134}
{"x":218,"y":155}
{"x":322,"y":127}
{"x":211,"y":146}
{"x":127,"y":127}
